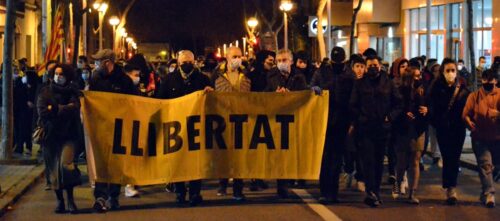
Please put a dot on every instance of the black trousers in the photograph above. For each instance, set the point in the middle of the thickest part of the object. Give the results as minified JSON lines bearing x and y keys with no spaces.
{"x":237,"y":185}
{"x":107,"y":190}
{"x":372,"y":151}
{"x":331,"y":164}
{"x":451,"y":143}
{"x":194,"y":188}
{"x":23,"y":129}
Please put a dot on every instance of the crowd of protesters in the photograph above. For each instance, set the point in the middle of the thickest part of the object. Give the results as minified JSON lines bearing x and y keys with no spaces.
{"x":401,"y":112}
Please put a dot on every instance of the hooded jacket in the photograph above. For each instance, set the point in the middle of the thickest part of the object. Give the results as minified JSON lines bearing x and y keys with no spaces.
{"x":479,"y":108}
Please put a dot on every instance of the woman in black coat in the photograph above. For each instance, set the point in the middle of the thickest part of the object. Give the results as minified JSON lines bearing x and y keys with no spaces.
{"x":59,"y":112}
{"x":447,"y":98}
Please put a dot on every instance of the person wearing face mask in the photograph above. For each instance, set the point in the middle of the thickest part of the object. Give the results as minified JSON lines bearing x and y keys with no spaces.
{"x":481,"y":115}
{"x":264,"y":63}
{"x":232,"y":79}
{"x":326,"y":78}
{"x":284,"y":78}
{"x":409,"y":132}
{"x":183,"y":81}
{"x":481,"y":66}
{"x":343,"y":90}
{"x":58,"y":108}
{"x":24,"y":106}
{"x":464,"y":73}
{"x":209,"y":66}
{"x":108,"y":77}
{"x":447,"y":97}
{"x":82,"y":72}
{"x":302,"y":63}
{"x":374,"y":104}
{"x":133,"y":72}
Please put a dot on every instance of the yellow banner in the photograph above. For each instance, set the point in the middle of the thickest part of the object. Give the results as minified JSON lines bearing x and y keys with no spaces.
{"x":143,"y":141}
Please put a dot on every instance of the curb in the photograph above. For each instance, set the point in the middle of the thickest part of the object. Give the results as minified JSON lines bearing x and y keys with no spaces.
{"x":16,"y":192}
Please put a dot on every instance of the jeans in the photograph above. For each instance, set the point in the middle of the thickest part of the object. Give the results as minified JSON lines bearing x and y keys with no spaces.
{"x":451,"y":143}
{"x":331,"y":165}
{"x":194,"y":188}
{"x":372,"y":152}
{"x":486,"y":152}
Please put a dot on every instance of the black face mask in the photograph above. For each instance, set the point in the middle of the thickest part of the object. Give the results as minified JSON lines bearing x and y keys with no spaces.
{"x":187,"y":67}
{"x":417,"y":83}
{"x":488,"y":87}
{"x":372,"y":72}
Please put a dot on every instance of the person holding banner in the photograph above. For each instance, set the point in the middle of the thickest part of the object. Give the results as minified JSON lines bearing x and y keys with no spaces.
{"x":285,"y":79}
{"x":108,"y":77}
{"x":375,"y":103}
{"x":58,"y":108}
{"x":232,"y":79}
{"x":183,"y":81}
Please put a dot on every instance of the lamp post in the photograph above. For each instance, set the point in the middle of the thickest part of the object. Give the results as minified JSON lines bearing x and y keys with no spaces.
{"x":286,"y":6}
{"x":114,"y":21}
{"x":101,"y":7}
{"x":252,"y":23}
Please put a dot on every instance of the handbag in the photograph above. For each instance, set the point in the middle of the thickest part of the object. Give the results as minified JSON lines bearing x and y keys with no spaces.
{"x":39,"y":134}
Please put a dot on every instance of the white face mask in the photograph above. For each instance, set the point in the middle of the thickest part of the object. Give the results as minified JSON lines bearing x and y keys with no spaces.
{"x":450,"y":76}
{"x":171,"y":69}
{"x":85,"y":75}
{"x":24,"y":80}
{"x":59,"y":79}
{"x":460,"y":67}
{"x":284,"y":67}
{"x":136,"y":80}
{"x":80,"y":65}
{"x":235,"y":63}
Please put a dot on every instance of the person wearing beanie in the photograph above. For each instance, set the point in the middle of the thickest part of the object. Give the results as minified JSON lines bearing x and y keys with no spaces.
{"x":369,"y":53}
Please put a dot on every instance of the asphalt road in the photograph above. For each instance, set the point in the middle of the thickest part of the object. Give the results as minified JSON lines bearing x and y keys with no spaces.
{"x":156,"y":204}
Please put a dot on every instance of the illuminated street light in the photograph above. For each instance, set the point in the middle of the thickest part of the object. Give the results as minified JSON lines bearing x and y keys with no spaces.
{"x":101,"y":7}
{"x":252,"y":22}
{"x":286,"y":6}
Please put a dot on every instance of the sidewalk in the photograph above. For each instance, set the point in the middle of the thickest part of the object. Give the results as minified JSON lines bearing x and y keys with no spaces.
{"x":16,"y":179}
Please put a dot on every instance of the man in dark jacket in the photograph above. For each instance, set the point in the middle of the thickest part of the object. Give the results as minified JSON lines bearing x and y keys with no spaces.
{"x":374,"y":103}
{"x":185,"y":80}
{"x":109,"y":77}
{"x":326,"y":78}
{"x":283,"y":79}
{"x":24,"y":104}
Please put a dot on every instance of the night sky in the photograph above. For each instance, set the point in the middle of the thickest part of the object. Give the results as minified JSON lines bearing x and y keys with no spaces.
{"x":189,"y":24}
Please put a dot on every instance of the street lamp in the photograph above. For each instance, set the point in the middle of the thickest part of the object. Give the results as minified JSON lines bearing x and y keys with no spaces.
{"x":252,"y":23}
{"x":101,"y":7}
{"x":114,"y":21}
{"x":286,"y":6}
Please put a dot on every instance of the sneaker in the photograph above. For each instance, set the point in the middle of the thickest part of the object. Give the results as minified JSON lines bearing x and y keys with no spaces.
{"x":396,"y":190}
{"x":113,"y":204}
{"x":391,"y":180}
{"x":348,"y":182}
{"x":404,"y":186}
{"x":48,"y":187}
{"x":221,"y":192}
{"x":195,"y":200}
{"x":451,"y":196}
{"x":372,"y":200}
{"x":490,"y":201}
{"x":239,"y":197}
{"x":361,"y":186}
{"x":27,"y":153}
{"x":412,"y":199}
{"x":130,"y":191}
{"x":100,"y":206}
{"x":169,"y":188}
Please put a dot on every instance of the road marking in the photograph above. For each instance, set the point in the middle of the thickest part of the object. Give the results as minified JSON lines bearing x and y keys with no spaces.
{"x":320,"y":209}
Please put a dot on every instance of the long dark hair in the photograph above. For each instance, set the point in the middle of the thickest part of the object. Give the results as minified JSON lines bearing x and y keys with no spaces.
{"x":445,"y":62}
{"x":408,"y":87}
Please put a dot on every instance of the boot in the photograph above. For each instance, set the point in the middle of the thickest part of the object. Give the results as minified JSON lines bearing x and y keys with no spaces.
{"x":60,"y":202}
{"x":71,"y":202}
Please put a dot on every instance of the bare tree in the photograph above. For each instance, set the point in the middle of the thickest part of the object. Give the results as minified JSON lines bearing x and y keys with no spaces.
{"x":321,"y":38}
{"x":7,"y":104}
{"x":123,"y":21}
{"x":353,"y":26}
{"x":270,"y":27}
{"x":470,"y":38}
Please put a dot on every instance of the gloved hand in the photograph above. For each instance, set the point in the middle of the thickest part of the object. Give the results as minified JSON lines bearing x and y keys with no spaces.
{"x":317,"y":90}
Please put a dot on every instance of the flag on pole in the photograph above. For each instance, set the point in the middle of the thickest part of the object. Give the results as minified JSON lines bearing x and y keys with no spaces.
{"x":56,"y":40}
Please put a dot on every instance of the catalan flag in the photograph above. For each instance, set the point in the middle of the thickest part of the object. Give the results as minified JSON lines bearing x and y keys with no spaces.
{"x":56,"y":40}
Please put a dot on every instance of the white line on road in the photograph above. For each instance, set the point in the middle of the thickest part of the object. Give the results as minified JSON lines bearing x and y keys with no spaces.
{"x":320,"y":209}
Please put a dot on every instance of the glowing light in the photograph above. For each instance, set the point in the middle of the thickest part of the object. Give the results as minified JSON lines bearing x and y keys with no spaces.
{"x":286,"y":6}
